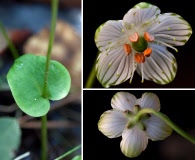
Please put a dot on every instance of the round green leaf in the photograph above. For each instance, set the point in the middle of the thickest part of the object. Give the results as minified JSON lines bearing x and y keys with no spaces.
{"x":10,"y":135}
{"x":26,"y":81}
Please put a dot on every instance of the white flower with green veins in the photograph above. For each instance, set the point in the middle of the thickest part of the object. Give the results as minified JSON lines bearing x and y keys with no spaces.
{"x":125,"y":120}
{"x":139,"y":42}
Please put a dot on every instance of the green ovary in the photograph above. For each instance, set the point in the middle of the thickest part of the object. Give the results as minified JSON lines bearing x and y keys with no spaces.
{"x":140,"y":45}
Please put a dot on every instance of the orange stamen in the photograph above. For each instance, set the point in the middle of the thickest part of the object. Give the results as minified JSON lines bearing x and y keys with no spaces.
{"x":127,"y":48}
{"x":139,"y":58}
{"x":134,"y":37}
{"x":147,"y":52}
{"x":148,"y":37}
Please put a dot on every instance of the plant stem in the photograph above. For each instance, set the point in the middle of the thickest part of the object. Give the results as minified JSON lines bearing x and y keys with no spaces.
{"x":11,"y":46}
{"x":168,"y":121}
{"x":69,"y":152}
{"x":44,"y":137}
{"x":51,"y":40}
{"x":91,"y":76}
{"x":22,"y":156}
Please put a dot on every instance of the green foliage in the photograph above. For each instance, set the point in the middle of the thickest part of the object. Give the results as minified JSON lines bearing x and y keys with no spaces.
{"x":78,"y":157}
{"x":26,"y":81}
{"x":10,"y":135}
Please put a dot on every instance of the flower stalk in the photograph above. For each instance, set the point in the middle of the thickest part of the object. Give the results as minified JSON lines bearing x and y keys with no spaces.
{"x":167,"y":121}
{"x":44,"y":137}
{"x":11,"y":46}
{"x":69,"y":152}
{"x":91,"y":78}
{"x":44,"y":118}
{"x":51,"y":40}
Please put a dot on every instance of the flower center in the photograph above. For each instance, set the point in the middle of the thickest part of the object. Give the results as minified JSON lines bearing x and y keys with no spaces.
{"x":131,"y":116}
{"x":138,"y":43}
{"x":133,"y":119}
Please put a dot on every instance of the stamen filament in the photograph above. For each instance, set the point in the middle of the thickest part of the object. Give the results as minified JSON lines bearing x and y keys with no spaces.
{"x":166,"y":45}
{"x":142,"y":70}
{"x":165,"y":35}
{"x":133,"y":70}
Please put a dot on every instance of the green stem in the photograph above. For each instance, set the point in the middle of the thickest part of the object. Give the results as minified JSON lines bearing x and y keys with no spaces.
{"x":51,"y":40}
{"x":69,"y":152}
{"x":44,"y":137}
{"x":168,"y":121}
{"x":22,"y":156}
{"x":91,"y":76}
{"x":11,"y":46}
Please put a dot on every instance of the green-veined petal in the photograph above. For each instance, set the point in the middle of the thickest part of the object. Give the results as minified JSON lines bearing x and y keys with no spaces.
{"x":160,"y":67}
{"x":112,"y":123}
{"x":123,"y":101}
{"x":114,"y":67}
{"x":149,"y":100}
{"x":157,"y":129}
{"x":134,"y":141}
{"x":110,"y":35}
{"x":140,"y":17}
{"x":171,"y":29}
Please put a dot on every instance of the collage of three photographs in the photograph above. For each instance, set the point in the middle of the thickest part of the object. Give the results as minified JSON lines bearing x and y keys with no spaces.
{"x":97,"y":80}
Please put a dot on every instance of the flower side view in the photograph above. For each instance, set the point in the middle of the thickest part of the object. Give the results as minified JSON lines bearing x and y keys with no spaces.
{"x":139,"y":43}
{"x":129,"y":120}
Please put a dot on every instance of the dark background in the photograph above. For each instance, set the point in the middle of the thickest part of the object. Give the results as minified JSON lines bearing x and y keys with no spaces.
{"x":97,"y":12}
{"x":178,"y":105}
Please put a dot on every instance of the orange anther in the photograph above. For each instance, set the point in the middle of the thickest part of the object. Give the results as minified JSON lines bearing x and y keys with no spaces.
{"x":127,"y":48}
{"x":134,"y":37}
{"x":139,"y":58}
{"x":147,"y":52}
{"x":148,"y":37}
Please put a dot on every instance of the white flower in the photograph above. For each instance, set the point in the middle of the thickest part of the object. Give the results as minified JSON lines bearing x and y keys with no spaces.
{"x":122,"y":121}
{"x":139,"y":42}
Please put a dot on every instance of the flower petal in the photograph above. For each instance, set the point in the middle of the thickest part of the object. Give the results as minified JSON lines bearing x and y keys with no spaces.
{"x":157,"y":129}
{"x":160,"y":67}
{"x":112,"y":123}
{"x":114,"y":67}
{"x":123,"y":101}
{"x":142,"y":14}
{"x":134,"y":141}
{"x":149,"y":100}
{"x":171,"y":29}
{"x":110,"y":36}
